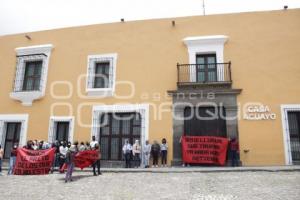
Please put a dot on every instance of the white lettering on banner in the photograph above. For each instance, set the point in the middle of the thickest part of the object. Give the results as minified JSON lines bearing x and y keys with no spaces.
{"x":258,"y":112}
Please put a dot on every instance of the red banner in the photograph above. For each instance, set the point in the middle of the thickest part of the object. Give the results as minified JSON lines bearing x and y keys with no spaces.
{"x":86,"y":158}
{"x":204,"y":149}
{"x":30,"y":162}
{"x":33,"y":162}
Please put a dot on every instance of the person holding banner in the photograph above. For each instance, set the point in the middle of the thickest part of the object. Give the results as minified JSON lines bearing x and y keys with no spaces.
{"x":12,"y":160}
{"x":97,"y":163}
{"x":70,"y":163}
{"x":62,"y":155}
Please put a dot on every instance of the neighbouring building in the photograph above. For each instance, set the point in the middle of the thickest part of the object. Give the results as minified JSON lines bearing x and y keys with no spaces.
{"x":142,"y":79}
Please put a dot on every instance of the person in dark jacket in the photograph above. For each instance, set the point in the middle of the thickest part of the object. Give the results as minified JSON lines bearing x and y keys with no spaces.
{"x":97,"y":163}
{"x":12,"y":160}
{"x":127,"y":152}
{"x":234,"y":151}
{"x":55,"y":163}
{"x":155,"y":151}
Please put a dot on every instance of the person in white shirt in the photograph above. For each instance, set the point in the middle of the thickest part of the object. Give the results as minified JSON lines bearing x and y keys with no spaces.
{"x":127,"y":151}
{"x":136,"y":152}
{"x":63,"y":149}
{"x":146,"y":154}
{"x":93,"y":142}
{"x":82,"y":146}
{"x":164,"y":152}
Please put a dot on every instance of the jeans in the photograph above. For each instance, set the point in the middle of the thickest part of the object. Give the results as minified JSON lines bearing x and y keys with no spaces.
{"x":164,"y":157}
{"x":96,"y":164}
{"x":55,"y":162}
{"x":12,"y":162}
{"x":127,"y":160}
{"x":0,"y":165}
{"x":137,"y":160}
{"x":234,"y":158}
{"x":69,"y":172}
{"x":155,"y":157}
{"x":146,"y":159}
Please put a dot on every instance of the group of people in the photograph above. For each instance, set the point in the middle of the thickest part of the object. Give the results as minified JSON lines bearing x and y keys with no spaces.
{"x":65,"y":153}
{"x":134,"y":153}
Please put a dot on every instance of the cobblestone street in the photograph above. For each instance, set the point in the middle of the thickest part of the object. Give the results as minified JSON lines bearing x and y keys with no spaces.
{"x":190,"y":185}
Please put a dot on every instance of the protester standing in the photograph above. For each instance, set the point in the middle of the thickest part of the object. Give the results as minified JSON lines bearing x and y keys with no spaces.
{"x":164,"y":152}
{"x":93,"y":142}
{"x":12,"y":160}
{"x":35,"y":145}
{"x":146,"y":154}
{"x":155,"y":150}
{"x":87,"y":146}
{"x":29,"y":145}
{"x":76,"y":144}
{"x":136,"y":152}
{"x":62,"y":155}
{"x":1,"y":158}
{"x":234,"y":151}
{"x":97,"y":163}
{"x":127,"y":149}
{"x":55,"y":163}
{"x":82,"y":146}
{"x":70,"y":163}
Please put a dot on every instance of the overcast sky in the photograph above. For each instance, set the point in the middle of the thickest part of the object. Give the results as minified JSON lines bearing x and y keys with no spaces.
{"x":18,"y":16}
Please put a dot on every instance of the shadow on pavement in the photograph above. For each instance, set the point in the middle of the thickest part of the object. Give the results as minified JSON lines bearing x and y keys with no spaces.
{"x":76,"y":177}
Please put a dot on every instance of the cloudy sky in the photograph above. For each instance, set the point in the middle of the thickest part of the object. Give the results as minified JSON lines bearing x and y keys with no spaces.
{"x":17,"y":16}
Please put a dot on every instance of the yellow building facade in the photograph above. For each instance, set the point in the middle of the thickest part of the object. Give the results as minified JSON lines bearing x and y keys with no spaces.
{"x":63,"y":81}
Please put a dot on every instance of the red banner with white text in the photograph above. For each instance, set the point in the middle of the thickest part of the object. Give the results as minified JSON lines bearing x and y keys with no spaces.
{"x":86,"y":158}
{"x":34,"y":162}
{"x":31,"y":162}
{"x":204,"y":149}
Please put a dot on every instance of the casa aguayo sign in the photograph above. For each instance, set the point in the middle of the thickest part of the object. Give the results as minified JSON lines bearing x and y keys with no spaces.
{"x":204,"y":149}
{"x":258,"y":112}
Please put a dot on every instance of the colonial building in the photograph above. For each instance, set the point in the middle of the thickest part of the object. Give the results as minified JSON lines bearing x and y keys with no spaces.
{"x":143,"y":80}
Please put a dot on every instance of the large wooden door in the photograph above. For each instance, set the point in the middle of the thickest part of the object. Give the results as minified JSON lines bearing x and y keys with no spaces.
{"x":115,"y":129}
{"x":62,"y":131}
{"x":201,"y":121}
{"x":12,"y":137}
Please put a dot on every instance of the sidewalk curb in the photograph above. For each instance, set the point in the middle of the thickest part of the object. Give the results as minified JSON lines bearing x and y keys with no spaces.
{"x":190,"y":170}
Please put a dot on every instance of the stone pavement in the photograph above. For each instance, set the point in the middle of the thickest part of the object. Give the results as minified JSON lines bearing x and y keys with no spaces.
{"x":244,"y":185}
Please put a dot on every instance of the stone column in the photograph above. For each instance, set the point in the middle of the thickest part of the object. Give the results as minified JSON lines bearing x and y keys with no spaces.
{"x":178,"y":128}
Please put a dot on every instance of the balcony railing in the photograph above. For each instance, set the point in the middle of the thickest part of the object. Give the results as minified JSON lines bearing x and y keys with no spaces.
{"x":204,"y":73}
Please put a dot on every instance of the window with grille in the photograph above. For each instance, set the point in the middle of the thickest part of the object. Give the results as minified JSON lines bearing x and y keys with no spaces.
{"x":101,"y":79}
{"x":101,"y":74}
{"x":32,"y":75}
